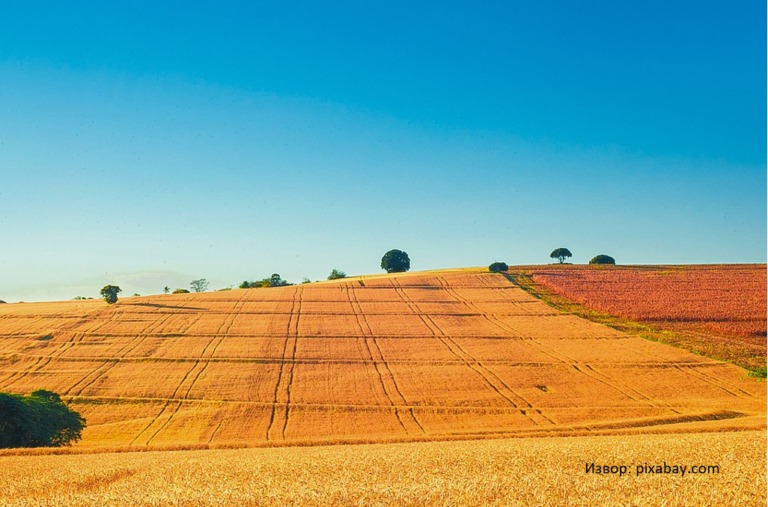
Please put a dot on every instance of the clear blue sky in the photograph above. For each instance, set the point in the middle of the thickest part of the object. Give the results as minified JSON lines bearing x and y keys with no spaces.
{"x":150,"y":143}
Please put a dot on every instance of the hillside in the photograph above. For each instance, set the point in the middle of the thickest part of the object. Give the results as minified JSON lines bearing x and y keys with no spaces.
{"x":415,"y":356}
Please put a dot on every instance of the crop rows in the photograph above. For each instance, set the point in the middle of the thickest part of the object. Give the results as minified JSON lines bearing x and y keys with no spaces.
{"x":395,"y":357}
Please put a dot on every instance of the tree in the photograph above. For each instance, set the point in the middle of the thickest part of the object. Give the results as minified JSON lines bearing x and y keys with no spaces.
{"x":602,"y":259}
{"x":395,"y":261}
{"x":181,"y":291}
{"x":200,"y":285}
{"x":40,"y":419}
{"x":498,"y":267}
{"x":109,"y":293}
{"x":560,"y":254}
{"x":336,"y":274}
{"x":166,"y":289}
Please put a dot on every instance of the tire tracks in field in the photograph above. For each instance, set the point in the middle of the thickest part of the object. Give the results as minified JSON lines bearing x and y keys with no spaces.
{"x":589,"y":371}
{"x":471,"y":362}
{"x":475,"y":309}
{"x":371,"y":345}
{"x":218,"y":337}
{"x":284,"y":384}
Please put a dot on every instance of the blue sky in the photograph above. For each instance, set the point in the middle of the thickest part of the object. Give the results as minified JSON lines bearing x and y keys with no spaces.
{"x":148,"y":145}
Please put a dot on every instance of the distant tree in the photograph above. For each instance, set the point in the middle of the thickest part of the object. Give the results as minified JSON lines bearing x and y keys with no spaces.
{"x":40,"y":419}
{"x":109,"y":293}
{"x":200,"y":285}
{"x":136,"y":294}
{"x":79,"y":298}
{"x":166,"y":289}
{"x":225,"y":288}
{"x":602,"y":259}
{"x":245,"y":285}
{"x":560,"y":254}
{"x":336,"y":274}
{"x":181,"y":291}
{"x":2,"y":302}
{"x":395,"y":261}
{"x":305,"y":280}
{"x":276,"y":281}
{"x":498,"y":267}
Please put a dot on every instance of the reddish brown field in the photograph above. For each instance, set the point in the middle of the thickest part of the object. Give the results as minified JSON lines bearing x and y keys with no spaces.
{"x":721,"y":304}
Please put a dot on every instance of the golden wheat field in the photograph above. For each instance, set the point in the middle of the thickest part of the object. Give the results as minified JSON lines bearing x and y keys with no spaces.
{"x":445,"y":376}
{"x":414,"y":356}
{"x":525,"y":471}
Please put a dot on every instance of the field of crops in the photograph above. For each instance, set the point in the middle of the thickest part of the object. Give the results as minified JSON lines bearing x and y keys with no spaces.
{"x":525,"y":471}
{"x":415,"y":356}
{"x":724,"y":305}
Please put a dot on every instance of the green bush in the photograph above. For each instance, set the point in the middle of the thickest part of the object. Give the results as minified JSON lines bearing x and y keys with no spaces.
{"x":336,"y":274}
{"x":109,"y":293}
{"x":181,"y":291}
{"x":498,"y":267}
{"x":38,"y":420}
{"x":602,"y":259}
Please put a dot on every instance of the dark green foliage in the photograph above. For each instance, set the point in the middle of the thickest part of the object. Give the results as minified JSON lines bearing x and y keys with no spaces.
{"x":272,"y":281}
{"x":181,"y":291}
{"x":560,"y":254}
{"x":336,"y":274}
{"x":109,"y":293}
{"x":602,"y":259}
{"x":498,"y":267}
{"x":38,"y":420}
{"x":395,"y":261}
{"x":166,"y":289}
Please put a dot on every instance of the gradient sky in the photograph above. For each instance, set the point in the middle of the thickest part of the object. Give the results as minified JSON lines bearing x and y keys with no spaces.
{"x":146,"y":144}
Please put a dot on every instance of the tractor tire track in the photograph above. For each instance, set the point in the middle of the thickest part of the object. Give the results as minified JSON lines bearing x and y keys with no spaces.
{"x":291,"y":332}
{"x":469,"y":360}
{"x":372,"y":345}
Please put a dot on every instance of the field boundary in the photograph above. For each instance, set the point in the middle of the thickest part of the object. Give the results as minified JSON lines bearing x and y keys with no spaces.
{"x":523,"y":278}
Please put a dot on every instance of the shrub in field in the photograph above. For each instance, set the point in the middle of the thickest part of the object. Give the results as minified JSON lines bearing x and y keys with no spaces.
{"x":560,"y":254}
{"x":602,"y":259}
{"x":498,"y":267}
{"x":336,"y":274}
{"x":109,"y":293}
{"x":181,"y":291}
{"x":395,"y":261}
{"x":273,"y":281}
{"x":38,"y":420}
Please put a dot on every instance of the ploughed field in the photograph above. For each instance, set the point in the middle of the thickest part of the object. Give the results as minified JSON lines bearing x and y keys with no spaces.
{"x":414,"y":356}
{"x":717,"y":310}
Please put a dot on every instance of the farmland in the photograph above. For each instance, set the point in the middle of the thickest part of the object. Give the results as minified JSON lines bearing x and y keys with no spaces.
{"x":716,"y":310}
{"x":526,"y":471}
{"x":416,"y":356}
{"x":452,"y":387}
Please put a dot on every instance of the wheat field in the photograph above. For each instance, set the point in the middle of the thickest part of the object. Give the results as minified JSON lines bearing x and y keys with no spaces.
{"x":523,"y":471}
{"x":408,"y":357}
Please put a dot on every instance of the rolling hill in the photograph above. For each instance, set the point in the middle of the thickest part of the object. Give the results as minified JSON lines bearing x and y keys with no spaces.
{"x":414,"y":356}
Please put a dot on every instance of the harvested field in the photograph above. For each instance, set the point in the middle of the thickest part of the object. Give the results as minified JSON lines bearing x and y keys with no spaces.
{"x":455,"y":354}
{"x":716,"y":310}
{"x":541,"y":471}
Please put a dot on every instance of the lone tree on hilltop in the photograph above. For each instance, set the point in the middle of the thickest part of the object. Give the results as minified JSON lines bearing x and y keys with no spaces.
{"x":395,"y":261}
{"x":498,"y":267}
{"x":602,"y":259}
{"x":109,"y":293}
{"x":181,"y":291}
{"x":336,"y":274}
{"x":560,"y":254}
{"x":200,"y":285}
